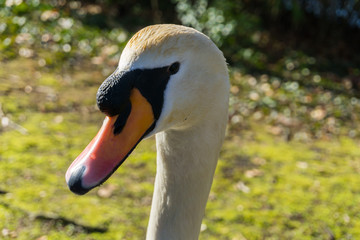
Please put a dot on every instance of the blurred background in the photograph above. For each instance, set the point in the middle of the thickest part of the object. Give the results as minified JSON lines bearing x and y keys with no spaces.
{"x":290,"y":165}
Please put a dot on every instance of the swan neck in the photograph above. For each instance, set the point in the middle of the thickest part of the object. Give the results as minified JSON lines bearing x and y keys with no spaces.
{"x":186,"y":161}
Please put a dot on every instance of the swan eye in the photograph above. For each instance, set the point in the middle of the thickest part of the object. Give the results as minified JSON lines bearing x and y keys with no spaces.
{"x":174,"y":68}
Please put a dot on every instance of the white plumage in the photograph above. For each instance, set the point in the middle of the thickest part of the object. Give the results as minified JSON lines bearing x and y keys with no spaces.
{"x":189,"y":131}
{"x":191,"y":128}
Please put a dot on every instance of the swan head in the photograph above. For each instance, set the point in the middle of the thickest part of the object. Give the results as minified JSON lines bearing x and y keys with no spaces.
{"x":168,"y":77}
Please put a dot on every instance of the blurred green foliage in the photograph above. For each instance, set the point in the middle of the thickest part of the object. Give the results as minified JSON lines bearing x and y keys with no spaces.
{"x":55,"y":34}
{"x":265,"y":186}
{"x":290,"y":164}
{"x":254,"y":35}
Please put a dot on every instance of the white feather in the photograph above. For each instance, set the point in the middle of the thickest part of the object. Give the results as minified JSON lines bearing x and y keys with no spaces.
{"x":191,"y":127}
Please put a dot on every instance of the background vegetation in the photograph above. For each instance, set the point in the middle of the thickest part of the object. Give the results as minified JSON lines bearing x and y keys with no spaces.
{"x":290,"y":165}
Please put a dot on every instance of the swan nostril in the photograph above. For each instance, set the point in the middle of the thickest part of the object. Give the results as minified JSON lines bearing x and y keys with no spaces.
{"x":122,"y":118}
{"x":75,"y":181}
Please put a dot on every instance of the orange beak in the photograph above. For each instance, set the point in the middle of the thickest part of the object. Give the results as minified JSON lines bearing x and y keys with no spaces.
{"x":107,"y":151}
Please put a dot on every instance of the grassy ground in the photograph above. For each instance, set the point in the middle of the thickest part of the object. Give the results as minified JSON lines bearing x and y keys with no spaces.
{"x":265,"y":187}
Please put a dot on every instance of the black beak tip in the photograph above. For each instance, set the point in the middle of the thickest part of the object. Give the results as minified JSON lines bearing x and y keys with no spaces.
{"x":75,"y":182}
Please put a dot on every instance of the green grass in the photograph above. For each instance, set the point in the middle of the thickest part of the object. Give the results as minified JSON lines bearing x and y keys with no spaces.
{"x":265,"y":187}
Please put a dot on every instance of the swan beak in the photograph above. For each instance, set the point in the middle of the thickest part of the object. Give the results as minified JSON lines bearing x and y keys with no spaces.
{"x":110,"y":147}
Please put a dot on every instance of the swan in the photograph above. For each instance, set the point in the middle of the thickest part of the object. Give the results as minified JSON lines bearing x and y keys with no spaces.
{"x":172,"y":82}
